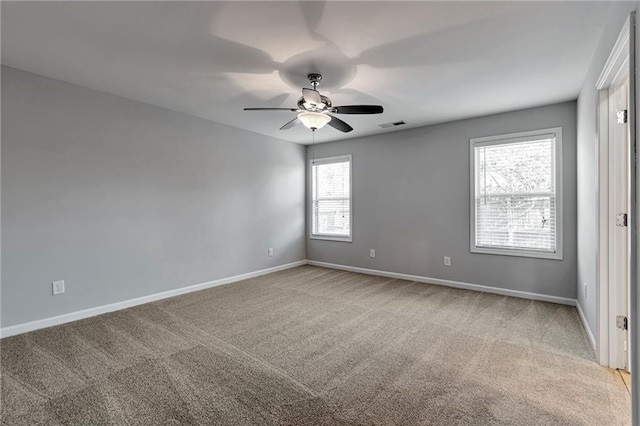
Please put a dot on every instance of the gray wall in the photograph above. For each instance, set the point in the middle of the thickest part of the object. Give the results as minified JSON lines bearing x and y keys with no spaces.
{"x":587,"y":183}
{"x":122,"y":199}
{"x":411,"y":204}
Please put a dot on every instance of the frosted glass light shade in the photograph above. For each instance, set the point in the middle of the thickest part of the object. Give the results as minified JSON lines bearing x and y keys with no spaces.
{"x":313,"y":120}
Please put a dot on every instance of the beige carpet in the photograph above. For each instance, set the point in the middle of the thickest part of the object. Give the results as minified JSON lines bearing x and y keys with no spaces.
{"x":313,"y":346}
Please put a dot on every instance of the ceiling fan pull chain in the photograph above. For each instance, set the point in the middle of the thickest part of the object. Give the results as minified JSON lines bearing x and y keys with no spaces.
{"x":313,"y":144}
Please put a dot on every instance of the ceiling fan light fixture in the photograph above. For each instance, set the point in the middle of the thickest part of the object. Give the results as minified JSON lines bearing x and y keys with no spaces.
{"x":313,"y":120}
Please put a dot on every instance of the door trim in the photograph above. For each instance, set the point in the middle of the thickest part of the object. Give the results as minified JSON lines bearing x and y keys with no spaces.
{"x":634,"y":301}
{"x":618,"y":58}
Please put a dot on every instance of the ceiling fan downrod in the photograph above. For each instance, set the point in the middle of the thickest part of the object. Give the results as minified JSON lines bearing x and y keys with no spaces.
{"x":314,"y":79}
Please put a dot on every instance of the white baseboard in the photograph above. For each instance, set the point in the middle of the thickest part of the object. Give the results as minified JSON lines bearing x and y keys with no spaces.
{"x":86,"y":313}
{"x":448,"y":283}
{"x":592,"y":338}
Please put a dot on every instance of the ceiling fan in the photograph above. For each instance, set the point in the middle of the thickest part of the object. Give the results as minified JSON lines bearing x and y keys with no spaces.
{"x":314,"y":109}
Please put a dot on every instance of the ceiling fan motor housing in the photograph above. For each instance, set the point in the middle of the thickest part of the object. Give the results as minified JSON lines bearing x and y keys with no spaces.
{"x":326,"y":104}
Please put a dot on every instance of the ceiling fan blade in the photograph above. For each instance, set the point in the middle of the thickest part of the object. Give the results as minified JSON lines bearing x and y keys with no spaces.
{"x":338,"y":124}
{"x":358,"y":109}
{"x":271,"y":109}
{"x":291,"y":124}
{"x":311,"y":96}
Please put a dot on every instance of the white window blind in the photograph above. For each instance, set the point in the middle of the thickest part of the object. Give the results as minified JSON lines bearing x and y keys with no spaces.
{"x":331,"y":198}
{"x":517,"y":194}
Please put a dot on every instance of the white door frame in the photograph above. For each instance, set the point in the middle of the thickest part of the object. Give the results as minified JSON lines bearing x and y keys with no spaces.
{"x":606,"y":295}
{"x":634,"y":297}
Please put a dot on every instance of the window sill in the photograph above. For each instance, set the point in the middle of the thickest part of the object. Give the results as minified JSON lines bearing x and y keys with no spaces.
{"x":332,"y":238}
{"x":518,"y":253}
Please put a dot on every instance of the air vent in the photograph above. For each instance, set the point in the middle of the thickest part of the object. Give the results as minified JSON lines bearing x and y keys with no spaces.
{"x":394,"y":124}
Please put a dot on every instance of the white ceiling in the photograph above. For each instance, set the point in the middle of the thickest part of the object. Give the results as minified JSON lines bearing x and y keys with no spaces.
{"x":425,"y":62}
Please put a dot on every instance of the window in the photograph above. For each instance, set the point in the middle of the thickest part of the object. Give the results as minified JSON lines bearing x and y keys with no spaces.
{"x":331,"y":198}
{"x":516,"y":196}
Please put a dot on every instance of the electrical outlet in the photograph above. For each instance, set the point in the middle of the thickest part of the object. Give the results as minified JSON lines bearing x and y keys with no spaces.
{"x":584,"y":286}
{"x":372,"y":253}
{"x":57,"y":287}
{"x":270,"y":251}
{"x":447,"y":261}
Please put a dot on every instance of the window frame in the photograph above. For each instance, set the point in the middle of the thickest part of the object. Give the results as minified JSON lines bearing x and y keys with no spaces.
{"x":330,"y":160}
{"x":512,"y":138}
